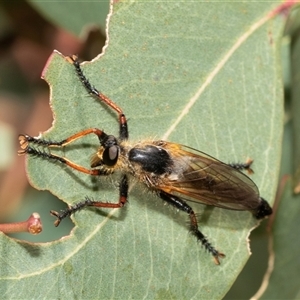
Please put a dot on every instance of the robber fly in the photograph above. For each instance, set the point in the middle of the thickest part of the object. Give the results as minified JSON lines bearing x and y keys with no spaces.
{"x":176,"y":173}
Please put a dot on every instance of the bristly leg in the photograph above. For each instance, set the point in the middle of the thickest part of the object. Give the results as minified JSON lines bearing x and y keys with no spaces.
{"x":123,"y":128}
{"x":35,"y":152}
{"x":26,"y":149}
{"x":243,"y":166}
{"x":123,"y":194}
{"x":183,"y":206}
{"x":91,"y":89}
{"x":70,"y":210}
{"x":25,"y":139}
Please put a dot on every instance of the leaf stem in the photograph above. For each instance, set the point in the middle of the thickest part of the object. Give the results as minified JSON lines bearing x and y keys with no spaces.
{"x":32,"y":225}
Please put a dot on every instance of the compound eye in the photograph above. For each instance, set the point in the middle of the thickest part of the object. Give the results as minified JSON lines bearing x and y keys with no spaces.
{"x":110,"y":155}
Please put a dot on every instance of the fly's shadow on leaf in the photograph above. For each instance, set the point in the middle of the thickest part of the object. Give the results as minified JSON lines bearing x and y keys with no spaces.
{"x":34,"y":250}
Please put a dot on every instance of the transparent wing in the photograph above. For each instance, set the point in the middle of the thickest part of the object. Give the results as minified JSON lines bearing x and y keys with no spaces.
{"x":199,"y":177}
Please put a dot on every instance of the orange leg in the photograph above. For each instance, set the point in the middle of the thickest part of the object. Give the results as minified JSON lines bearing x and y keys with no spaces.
{"x":93,"y":91}
{"x":25,"y":139}
{"x":123,"y":192}
{"x":26,"y":149}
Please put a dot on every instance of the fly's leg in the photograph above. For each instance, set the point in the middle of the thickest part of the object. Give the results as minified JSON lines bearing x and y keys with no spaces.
{"x":94,"y":172}
{"x":25,"y":140}
{"x":123,"y":128}
{"x":243,"y":166}
{"x":183,"y":206}
{"x":123,"y":194}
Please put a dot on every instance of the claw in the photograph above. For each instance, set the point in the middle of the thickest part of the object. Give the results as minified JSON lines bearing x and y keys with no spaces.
{"x":23,"y":140}
{"x":71,"y":59}
{"x":56,"y":214}
{"x":249,"y":163}
{"x":217,"y":256}
{"x":22,"y":152}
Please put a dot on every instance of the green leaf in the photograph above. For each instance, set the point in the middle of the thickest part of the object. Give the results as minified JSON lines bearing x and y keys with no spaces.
{"x":204,"y":75}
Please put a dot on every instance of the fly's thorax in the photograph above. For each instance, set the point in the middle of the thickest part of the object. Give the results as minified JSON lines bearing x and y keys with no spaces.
{"x":151,"y":158}
{"x":146,"y":161}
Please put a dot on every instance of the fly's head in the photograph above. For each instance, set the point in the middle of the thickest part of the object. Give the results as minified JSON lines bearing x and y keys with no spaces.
{"x":107,"y":155}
